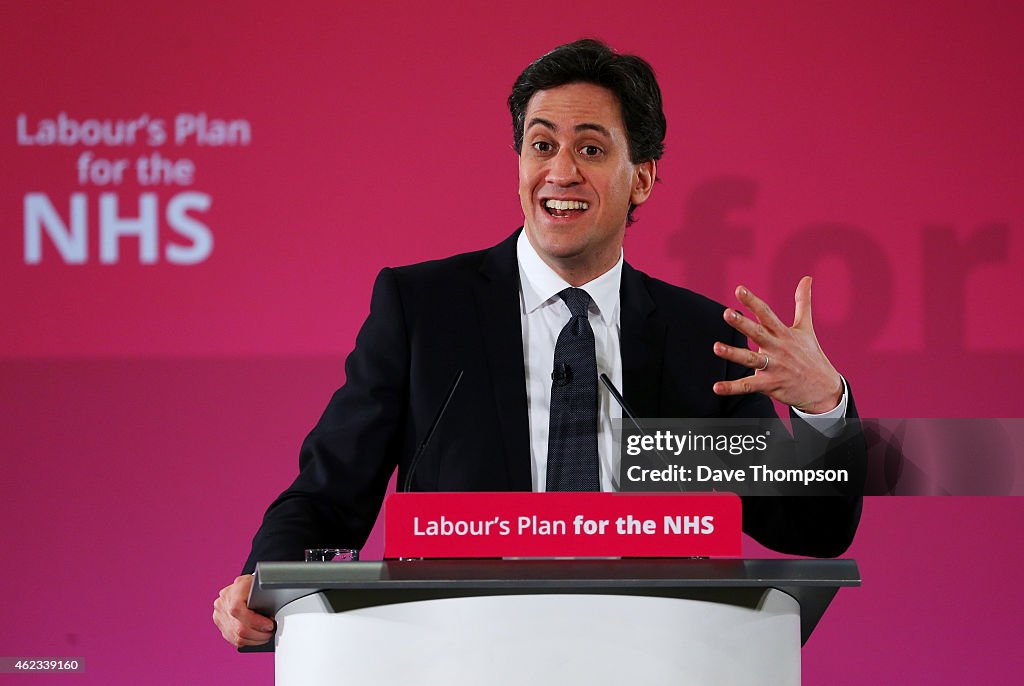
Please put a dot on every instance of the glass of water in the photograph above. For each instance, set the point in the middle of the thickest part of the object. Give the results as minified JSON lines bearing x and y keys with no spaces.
{"x":332,"y":554}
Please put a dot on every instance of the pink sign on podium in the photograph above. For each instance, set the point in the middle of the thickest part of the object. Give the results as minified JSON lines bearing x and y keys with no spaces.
{"x":454,"y":525}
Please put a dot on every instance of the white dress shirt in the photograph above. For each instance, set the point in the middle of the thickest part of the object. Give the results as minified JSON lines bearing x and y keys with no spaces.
{"x":543,"y":315}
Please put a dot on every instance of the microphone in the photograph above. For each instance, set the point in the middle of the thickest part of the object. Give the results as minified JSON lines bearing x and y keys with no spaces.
{"x":562,"y":375}
{"x":430,"y":432}
{"x":614,"y":392}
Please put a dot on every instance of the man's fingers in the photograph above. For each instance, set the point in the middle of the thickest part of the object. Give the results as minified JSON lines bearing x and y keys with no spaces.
{"x":246,"y":628}
{"x":760,"y":308}
{"x":802,"y":315}
{"x":248,"y":636}
{"x":747,"y":384}
{"x":239,"y":625}
{"x":254,"y":621}
{"x":744,"y":356}
{"x":239,"y":636}
{"x":789,"y":366}
{"x":748,"y":327}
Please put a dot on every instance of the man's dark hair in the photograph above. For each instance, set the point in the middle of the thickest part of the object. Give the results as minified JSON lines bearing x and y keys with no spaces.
{"x":628,"y":77}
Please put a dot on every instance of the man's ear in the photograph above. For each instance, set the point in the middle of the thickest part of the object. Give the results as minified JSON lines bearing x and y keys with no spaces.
{"x":643,"y":181}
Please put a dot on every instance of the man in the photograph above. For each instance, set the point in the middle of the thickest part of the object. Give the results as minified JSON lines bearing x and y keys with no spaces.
{"x":589,"y":128}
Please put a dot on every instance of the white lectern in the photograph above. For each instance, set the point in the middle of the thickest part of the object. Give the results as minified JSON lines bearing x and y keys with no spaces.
{"x":643,"y":621}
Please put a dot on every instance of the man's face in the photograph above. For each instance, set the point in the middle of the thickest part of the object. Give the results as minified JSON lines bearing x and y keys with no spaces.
{"x":576,"y":181}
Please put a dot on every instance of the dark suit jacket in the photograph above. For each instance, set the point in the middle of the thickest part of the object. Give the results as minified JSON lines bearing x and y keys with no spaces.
{"x":429,"y":320}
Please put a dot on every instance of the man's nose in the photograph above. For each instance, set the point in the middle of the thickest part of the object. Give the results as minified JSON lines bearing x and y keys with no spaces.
{"x":563,"y":170}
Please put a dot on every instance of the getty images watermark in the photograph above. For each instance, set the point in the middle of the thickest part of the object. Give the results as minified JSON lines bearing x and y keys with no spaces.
{"x":765,"y":457}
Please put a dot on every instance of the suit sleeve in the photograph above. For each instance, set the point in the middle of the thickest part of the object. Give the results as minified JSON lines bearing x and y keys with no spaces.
{"x":346,"y":460}
{"x":814,"y":526}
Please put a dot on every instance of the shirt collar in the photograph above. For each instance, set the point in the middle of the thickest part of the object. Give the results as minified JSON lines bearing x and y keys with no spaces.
{"x":540,"y":284}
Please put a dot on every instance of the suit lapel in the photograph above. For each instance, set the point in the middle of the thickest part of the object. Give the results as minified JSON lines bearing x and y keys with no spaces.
{"x":643,"y":345}
{"x":502,"y":335}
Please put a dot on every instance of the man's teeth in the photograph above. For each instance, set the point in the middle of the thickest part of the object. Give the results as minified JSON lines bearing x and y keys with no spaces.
{"x":566,"y":204}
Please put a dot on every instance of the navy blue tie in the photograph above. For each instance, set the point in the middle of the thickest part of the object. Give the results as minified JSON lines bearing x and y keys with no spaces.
{"x":572,"y":435}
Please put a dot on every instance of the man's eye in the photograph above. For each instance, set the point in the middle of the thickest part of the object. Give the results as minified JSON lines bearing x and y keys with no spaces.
{"x":542,"y":146}
{"x":590,"y":150}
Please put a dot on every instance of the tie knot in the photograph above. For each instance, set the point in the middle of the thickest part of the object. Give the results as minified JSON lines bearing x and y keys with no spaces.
{"x":578,"y":301}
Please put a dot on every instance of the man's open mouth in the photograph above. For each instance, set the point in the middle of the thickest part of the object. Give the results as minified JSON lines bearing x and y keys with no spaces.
{"x":565,"y":208}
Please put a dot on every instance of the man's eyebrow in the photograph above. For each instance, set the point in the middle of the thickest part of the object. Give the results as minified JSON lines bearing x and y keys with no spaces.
{"x":543,"y":122}
{"x":585,"y":126}
{"x":593,"y":127}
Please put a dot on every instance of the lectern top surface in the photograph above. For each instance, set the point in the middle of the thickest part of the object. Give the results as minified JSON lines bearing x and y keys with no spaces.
{"x":548,"y":573}
{"x":812,"y":583}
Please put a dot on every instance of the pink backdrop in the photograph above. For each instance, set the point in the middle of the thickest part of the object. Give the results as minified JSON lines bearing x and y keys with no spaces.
{"x":153,"y":408}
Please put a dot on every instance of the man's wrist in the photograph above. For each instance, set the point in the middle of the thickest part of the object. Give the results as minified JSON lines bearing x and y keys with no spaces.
{"x":829,"y":404}
{"x":831,"y":422}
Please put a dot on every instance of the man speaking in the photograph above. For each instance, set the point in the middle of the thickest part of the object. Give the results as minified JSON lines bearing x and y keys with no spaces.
{"x":529,"y":325}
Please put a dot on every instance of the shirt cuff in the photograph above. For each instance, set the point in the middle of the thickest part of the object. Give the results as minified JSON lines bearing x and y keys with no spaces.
{"x":830,"y":423}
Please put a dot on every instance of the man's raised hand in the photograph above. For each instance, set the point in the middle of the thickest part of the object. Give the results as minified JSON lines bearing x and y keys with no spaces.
{"x":789,"y":365}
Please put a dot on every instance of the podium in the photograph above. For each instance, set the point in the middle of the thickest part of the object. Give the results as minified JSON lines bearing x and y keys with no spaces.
{"x":545,"y":621}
